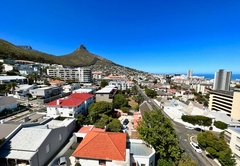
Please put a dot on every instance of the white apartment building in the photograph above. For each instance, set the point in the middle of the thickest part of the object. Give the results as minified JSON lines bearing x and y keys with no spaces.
{"x":83,"y":75}
{"x":232,"y":137}
{"x":122,"y":85}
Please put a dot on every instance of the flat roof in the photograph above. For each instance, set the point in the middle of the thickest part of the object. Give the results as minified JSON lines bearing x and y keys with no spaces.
{"x":11,"y":77}
{"x":16,"y":154}
{"x":6,"y":129}
{"x":139,"y":149}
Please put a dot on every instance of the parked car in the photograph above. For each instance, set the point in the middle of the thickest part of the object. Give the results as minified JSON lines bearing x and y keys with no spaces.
{"x":195,"y":147}
{"x":62,"y":161}
{"x":125,"y":122}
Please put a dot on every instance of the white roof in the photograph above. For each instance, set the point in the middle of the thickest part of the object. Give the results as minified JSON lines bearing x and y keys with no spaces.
{"x":16,"y":154}
{"x":11,"y":77}
{"x":106,"y":89}
{"x":24,"y":86}
{"x":28,"y":139}
{"x":82,"y":90}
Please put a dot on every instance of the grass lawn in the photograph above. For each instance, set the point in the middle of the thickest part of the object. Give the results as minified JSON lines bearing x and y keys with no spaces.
{"x":131,"y":102}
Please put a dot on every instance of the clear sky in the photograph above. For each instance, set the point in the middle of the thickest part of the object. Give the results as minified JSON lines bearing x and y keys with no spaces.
{"x":158,"y":36}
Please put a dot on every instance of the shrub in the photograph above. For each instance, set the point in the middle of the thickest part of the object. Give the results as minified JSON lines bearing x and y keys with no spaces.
{"x":220,"y":125}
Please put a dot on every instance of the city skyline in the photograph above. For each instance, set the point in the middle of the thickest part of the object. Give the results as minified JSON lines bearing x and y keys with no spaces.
{"x":157,"y":36}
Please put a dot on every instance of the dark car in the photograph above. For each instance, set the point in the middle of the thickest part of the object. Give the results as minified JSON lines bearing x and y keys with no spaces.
{"x":126,"y":121}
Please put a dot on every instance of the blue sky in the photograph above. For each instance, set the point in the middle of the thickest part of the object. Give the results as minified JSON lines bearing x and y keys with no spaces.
{"x":158,"y":36}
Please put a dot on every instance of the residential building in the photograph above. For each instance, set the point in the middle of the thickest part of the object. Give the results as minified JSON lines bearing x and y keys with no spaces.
{"x":232,"y":137}
{"x":8,"y":102}
{"x":97,"y":74}
{"x":82,"y":75}
{"x":35,"y":146}
{"x":90,"y":90}
{"x":222,"y":80}
{"x":17,"y":79}
{"x":7,"y":67}
{"x":46,"y":92}
{"x":71,"y":87}
{"x":23,"y":89}
{"x":189,"y":73}
{"x":71,"y":106}
{"x":122,"y":84}
{"x":106,"y":94}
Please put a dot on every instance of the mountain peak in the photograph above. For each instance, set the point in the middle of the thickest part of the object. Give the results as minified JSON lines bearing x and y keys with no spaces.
{"x":82,"y":47}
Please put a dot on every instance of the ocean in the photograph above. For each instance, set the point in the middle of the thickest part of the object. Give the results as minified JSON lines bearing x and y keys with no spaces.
{"x":211,"y":76}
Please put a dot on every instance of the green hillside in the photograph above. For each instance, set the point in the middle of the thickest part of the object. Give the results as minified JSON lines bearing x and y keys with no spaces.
{"x":80,"y":57}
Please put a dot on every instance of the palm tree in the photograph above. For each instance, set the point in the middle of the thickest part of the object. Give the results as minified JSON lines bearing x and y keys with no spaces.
{"x":11,"y":86}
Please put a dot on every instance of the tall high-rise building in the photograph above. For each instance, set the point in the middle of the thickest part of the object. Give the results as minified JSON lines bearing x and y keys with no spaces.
{"x":222,"y":80}
{"x":189,"y":73}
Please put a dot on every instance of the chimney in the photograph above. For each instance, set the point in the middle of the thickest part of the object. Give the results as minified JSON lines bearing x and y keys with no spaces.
{"x":58,"y":101}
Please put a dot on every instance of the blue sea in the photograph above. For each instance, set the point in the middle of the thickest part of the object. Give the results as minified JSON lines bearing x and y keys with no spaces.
{"x":211,"y":76}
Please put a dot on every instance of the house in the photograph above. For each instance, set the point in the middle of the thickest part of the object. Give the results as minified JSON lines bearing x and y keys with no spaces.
{"x":35,"y":146}
{"x":106,"y":94}
{"x":97,"y":74}
{"x":76,"y":103}
{"x":71,"y":87}
{"x":45,"y":92}
{"x":90,"y":90}
{"x":8,"y":102}
{"x":23,"y":89}
{"x":56,"y":83}
{"x":102,"y":148}
{"x":121,"y":84}
{"x":114,"y":150}
{"x":17,"y":79}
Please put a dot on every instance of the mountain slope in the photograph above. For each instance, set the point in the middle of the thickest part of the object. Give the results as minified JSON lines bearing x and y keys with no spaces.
{"x":80,"y":57}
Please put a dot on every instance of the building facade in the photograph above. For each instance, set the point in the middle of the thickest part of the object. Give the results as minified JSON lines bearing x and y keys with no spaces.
{"x":232,"y":137}
{"x":83,"y":75}
{"x":222,"y":80}
{"x":225,"y":101}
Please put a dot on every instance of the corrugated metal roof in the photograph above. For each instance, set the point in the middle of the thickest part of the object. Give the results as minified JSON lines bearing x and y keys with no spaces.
{"x":28,"y":139}
{"x":16,"y":154}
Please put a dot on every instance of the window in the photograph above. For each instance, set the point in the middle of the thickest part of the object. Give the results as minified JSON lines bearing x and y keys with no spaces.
{"x":237,"y":157}
{"x":143,"y":164}
{"x":70,"y":114}
{"x":133,"y":164}
{"x":60,"y":137}
{"x":102,"y":162}
{"x":47,"y":148}
{"x":237,"y":147}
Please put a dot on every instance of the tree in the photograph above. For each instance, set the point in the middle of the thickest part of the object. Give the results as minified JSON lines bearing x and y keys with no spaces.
{"x":11,"y":86}
{"x":103,"y":121}
{"x":216,"y":147}
{"x":199,"y":120}
{"x":82,"y":120}
{"x":150,"y":93}
{"x":119,"y":101}
{"x":157,"y":131}
{"x":138,"y":98}
{"x":134,"y":90}
{"x":114,"y":126}
{"x":220,"y":125}
{"x":103,"y":83}
{"x":186,"y":161}
{"x":98,"y":108}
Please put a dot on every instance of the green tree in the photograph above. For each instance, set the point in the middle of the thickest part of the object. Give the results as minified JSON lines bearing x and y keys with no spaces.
{"x":150,"y":93}
{"x":186,"y":161}
{"x":138,"y":98}
{"x":119,"y":101}
{"x":157,"y":131}
{"x":82,"y":120}
{"x":134,"y":90}
{"x":199,"y":120}
{"x":103,"y":83}
{"x":114,"y":126}
{"x":220,"y":125}
{"x":103,"y":121}
{"x":98,"y":108}
{"x":11,"y":87}
{"x":226,"y":158}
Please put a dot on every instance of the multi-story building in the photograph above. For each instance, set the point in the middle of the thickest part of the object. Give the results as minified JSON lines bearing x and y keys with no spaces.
{"x":232,"y":137}
{"x":225,"y":101}
{"x":106,"y":94}
{"x":222,"y":80}
{"x":189,"y":73}
{"x":83,"y":75}
{"x":122,"y":85}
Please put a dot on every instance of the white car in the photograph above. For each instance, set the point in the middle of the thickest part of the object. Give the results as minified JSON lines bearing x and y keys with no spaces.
{"x":188,"y":127}
{"x":195,"y":147}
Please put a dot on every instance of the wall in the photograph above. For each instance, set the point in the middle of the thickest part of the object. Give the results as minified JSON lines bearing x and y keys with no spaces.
{"x":235,"y":113}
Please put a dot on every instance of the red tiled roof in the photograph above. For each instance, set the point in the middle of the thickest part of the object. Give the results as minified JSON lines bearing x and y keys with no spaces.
{"x":86,"y":129}
{"x":102,"y":145}
{"x":72,"y":100}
